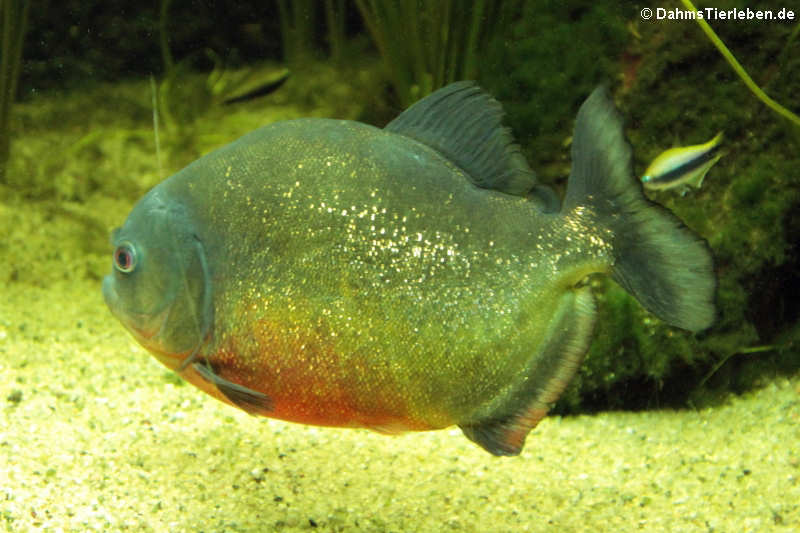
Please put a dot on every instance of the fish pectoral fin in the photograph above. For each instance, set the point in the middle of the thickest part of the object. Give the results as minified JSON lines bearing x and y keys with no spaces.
{"x":248,"y":400}
{"x":503,"y":429}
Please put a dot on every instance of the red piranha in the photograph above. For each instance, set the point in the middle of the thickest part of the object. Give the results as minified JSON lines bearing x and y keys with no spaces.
{"x":406,"y":278}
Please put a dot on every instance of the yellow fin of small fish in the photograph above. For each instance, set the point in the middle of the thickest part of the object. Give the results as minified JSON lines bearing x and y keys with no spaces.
{"x":683,"y":166}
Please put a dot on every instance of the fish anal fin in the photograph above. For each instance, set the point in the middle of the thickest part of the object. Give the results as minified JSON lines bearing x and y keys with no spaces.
{"x":248,"y":400}
{"x":697,"y":180}
{"x":507,"y":436}
{"x":503,"y":430}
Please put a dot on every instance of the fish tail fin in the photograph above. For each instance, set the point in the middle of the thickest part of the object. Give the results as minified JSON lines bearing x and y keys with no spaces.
{"x":657,"y":259}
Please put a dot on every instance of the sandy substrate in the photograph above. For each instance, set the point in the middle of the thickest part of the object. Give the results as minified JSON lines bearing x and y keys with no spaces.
{"x":96,"y":436}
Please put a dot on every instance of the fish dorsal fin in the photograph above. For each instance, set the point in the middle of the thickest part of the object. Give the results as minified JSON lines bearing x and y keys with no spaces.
{"x":463,"y":123}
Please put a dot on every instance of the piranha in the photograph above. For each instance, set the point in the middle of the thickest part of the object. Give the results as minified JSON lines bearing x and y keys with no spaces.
{"x":408,"y":278}
{"x":683,"y":166}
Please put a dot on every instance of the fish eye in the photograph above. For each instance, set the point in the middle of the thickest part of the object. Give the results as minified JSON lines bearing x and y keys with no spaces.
{"x":125,"y":258}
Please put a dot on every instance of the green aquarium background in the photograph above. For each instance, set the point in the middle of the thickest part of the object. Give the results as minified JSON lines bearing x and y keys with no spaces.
{"x":102,"y":100}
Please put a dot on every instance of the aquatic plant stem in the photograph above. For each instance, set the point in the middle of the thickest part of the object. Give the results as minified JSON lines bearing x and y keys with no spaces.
{"x":14,"y":15}
{"x":297,"y":30}
{"x":426,"y":45}
{"x":737,"y":67}
{"x":154,"y":100}
{"x":335,"y":19}
{"x":383,"y":20}
{"x":721,"y":362}
{"x":166,"y":55}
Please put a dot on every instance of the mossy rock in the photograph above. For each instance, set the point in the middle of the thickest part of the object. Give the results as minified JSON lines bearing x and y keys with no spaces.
{"x":673,"y":88}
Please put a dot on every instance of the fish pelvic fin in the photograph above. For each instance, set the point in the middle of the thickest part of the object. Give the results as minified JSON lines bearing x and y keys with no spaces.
{"x":246,"y":399}
{"x":503,"y":429}
{"x":667,"y":268}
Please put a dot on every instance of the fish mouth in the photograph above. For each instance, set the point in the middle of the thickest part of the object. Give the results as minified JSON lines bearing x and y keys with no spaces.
{"x":110,"y":295}
{"x":145,"y":327}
